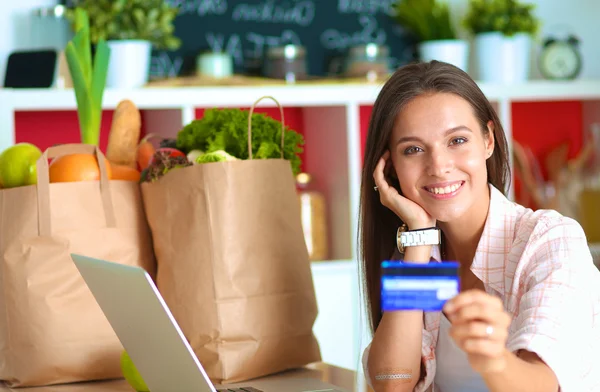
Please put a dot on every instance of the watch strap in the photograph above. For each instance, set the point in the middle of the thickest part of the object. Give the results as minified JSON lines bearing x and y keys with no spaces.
{"x":420,"y":237}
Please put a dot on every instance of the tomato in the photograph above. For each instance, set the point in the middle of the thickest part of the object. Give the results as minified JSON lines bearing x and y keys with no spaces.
{"x":173,"y":152}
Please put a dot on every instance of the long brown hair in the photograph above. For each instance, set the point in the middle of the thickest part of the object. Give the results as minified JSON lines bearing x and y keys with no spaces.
{"x":378,"y":224}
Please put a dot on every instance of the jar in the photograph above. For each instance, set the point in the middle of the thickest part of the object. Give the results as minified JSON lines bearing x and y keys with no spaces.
{"x":313,"y":217}
{"x":214,"y":64}
{"x":49,"y":28}
{"x":370,"y":61}
{"x":286,"y":62}
{"x":589,"y":198}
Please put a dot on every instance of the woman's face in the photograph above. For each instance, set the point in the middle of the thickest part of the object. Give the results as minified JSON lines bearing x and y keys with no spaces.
{"x":439,"y":155}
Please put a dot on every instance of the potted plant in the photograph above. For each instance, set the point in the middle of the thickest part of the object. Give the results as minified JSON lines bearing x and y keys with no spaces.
{"x":503,"y":30}
{"x":131,"y":28}
{"x":430,"y":22}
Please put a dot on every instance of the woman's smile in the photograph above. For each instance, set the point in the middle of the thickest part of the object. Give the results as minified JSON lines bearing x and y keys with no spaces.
{"x":444,"y":190}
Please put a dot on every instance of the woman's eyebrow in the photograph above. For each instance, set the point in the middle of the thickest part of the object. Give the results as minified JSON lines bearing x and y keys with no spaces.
{"x":446,"y":133}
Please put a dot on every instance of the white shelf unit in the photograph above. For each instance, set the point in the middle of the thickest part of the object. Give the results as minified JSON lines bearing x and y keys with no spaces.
{"x":333,"y":156}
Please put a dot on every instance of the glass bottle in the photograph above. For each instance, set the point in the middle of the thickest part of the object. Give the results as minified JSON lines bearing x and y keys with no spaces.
{"x":589,"y":198}
{"x":371,"y":61}
{"x":286,"y":62}
{"x":314,"y":218}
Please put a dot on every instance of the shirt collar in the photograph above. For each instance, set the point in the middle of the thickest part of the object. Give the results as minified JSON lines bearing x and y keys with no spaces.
{"x":495,"y":242}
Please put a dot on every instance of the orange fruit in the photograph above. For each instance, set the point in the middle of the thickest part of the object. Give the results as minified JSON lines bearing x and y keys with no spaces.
{"x":76,"y":167}
{"x":123,"y":172}
{"x":144,"y":152}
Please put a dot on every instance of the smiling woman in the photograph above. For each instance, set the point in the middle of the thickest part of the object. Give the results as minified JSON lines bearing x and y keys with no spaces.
{"x":437,"y":157}
{"x":443,"y":153}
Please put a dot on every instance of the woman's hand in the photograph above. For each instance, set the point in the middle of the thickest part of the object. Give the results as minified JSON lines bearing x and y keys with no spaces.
{"x":410,"y":212}
{"x":480,"y":328}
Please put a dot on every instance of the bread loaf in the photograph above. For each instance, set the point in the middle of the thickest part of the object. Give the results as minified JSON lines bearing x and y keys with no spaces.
{"x":124,"y":134}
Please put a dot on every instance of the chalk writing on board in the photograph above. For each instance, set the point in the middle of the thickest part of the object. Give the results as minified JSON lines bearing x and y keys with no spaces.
{"x":335,"y":39}
{"x":301,"y":13}
{"x":261,"y":41}
{"x":200,"y":7}
{"x":163,"y":66}
{"x":218,"y":42}
{"x":369,"y":7}
{"x":251,"y":44}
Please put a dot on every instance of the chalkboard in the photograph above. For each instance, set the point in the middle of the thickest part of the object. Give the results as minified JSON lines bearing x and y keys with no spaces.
{"x":246,"y":28}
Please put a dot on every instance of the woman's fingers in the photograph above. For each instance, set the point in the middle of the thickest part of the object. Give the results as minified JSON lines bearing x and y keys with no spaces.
{"x":471,"y":312}
{"x":477,"y":330}
{"x":479,"y":326}
{"x":471,"y":297}
{"x":379,"y":176}
{"x":483,"y":347}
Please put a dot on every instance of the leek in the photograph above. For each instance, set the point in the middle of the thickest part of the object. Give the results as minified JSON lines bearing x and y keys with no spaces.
{"x":88,"y":81}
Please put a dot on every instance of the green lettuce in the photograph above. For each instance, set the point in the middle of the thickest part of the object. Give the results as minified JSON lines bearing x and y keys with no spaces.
{"x":215,"y":156}
{"x":227,"y":130}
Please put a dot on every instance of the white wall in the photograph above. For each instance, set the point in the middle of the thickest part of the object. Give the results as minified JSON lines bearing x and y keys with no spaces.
{"x":20,"y":30}
{"x":581,"y":17}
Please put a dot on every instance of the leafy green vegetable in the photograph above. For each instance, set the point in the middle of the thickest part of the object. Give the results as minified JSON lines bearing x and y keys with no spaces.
{"x":227,"y":130}
{"x":215,"y":156}
{"x":162,"y":163}
{"x":89,"y":80}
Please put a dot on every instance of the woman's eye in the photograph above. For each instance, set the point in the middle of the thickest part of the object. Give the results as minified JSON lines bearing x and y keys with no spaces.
{"x":459,"y":140}
{"x":412,"y":150}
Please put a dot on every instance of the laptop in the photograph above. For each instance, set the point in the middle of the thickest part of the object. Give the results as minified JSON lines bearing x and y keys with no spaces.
{"x":148,"y":331}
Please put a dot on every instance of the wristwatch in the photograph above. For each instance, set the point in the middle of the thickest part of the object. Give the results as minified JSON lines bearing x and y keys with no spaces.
{"x":428,"y":236}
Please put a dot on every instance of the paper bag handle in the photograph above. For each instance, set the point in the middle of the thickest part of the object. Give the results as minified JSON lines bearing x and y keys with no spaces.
{"x":43,"y":183}
{"x":250,"y":124}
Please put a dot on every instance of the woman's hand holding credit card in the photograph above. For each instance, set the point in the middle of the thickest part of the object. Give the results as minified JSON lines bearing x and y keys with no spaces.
{"x":479,"y":322}
{"x":418,"y":286}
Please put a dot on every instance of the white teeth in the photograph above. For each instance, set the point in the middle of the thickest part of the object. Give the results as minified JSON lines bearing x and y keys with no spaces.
{"x":445,"y":190}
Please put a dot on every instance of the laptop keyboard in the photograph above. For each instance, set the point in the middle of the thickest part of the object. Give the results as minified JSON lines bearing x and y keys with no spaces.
{"x":243,"y":389}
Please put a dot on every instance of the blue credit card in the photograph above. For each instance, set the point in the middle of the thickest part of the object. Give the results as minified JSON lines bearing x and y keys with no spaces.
{"x":412,"y":286}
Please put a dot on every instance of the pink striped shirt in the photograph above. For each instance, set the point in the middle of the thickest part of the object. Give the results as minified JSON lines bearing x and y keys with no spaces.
{"x":540,"y":265}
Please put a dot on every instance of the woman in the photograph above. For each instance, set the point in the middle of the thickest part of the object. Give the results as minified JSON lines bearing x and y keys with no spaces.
{"x":528,"y":314}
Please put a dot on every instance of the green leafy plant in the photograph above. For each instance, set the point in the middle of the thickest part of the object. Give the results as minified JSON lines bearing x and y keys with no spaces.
{"x":506,"y":16}
{"x":427,"y":20}
{"x":150,"y":20}
{"x":227,"y":130}
{"x":88,"y":81}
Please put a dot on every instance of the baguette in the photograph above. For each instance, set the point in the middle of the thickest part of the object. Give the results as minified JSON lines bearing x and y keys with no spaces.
{"x":124,"y":134}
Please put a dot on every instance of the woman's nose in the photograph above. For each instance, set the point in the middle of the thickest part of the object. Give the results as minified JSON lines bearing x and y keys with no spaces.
{"x":440,"y":163}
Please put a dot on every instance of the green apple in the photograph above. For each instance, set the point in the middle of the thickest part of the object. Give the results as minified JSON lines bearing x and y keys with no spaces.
{"x":18,"y":165}
{"x":131,"y":374}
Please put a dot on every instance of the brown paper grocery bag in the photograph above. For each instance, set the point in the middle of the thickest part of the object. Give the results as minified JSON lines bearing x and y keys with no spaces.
{"x":51,"y":328}
{"x":233,"y":265}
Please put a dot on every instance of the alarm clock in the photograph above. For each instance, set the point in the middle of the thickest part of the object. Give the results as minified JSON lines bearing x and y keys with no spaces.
{"x":560,"y":59}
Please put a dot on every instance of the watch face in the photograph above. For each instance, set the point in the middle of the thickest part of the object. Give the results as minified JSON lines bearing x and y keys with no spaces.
{"x":560,"y":60}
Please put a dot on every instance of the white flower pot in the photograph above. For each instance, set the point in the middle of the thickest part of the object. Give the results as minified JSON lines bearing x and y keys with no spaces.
{"x":502,"y":59}
{"x":129,"y":63}
{"x":455,"y":52}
